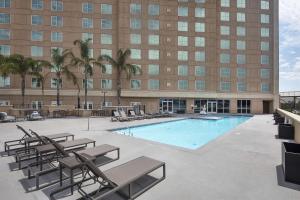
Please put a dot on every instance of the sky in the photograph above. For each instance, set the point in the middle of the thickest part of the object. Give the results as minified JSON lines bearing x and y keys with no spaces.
{"x":289,"y":45}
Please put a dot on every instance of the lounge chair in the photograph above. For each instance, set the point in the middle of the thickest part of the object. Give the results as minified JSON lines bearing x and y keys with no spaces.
{"x":28,"y":139}
{"x":118,"y":117}
{"x":47,"y":149}
{"x":124,"y":116}
{"x":6,"y":118}
{"x":68,"y":161}
{"x":147,"y":116}
{"x":132,"y":114}
{"x":118,"y":179}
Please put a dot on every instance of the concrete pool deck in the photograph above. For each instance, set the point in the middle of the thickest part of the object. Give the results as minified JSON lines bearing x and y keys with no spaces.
{"x":238,"y":165}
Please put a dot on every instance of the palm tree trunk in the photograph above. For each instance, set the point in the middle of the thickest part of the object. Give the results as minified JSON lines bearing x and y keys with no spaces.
{"x":58,"y":90}
{"x":85,"y":91}
{"x":23,"y":90}
{"x":119,"y":87}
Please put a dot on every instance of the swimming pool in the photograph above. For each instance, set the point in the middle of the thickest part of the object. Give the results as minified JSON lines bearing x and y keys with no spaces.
{"x":187,"y":133}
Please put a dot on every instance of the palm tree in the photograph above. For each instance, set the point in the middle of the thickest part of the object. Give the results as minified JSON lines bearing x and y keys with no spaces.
{"x":41,"y":76}
{"x":61,"y":66}
{"x":86,"y":62}
{"x":121,"y":65}
{"x":19,"y":65}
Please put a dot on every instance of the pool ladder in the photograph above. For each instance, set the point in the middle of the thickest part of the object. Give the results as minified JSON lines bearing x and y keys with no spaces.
{"x":128,"y":133}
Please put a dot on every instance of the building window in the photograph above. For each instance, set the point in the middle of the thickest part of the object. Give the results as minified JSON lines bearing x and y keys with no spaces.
{"x":86,"y":36}
{"x":183,"y":70}
{"x":200,"y":56}
{"x":244,"y":106}
{"x":183,"y":84}
{"x":106,"y":84}
{"x":241,"y":59}
{"x":4,"y":34}
{"x":57,"y":21}
{"x":136,"y":54}
{"x":106,"y":52}
{"x":264,"y":59}
{"x":224,"y":58}
{"x":153,"y":9}
{"x":135,"y":8}
{"x":199,"y":27}
{"x":183,"y":41}
{"x":54,"y":83}
{"x":200,"y":85}
{"x":107,"y":70}
{"x":106,"y":39}
{"x":35,"y":82}
{"x":241,"y":87}
{"x":200,"y":12}
{"x":36,"y":51}
{"x":106,"y":24}
{"x":153,"y":24}
{"x":37,"y":4}
{"x":36,"y":105}
{"x":87,"y":23}
{"x":240,"y":31}
{"x":225,"y":3}
{"x":241,"y":4}
{"x":240,"y":45}
{"x":265,"y":73}
{"x":264,"y":5}
{"x":225,"y":86}
{"x":135,"y":84}
{"x":36,"y":36}
{"x":106,"y":9}
{"x":4,"y":3}
{"x":199,"y":41}
{"x":264,"y":46}
{"x":265,"y":87}
{"x":183,"y":26}
{"x":135,"y":39}
{"x":200,"y":1}
{"x":225,"y":30}
{"x":225,"y":72}
{"x":264,"y":19}
{"x":225,"y":16}
{"x":56,"y":36}
{"x":135,"y":23}
{"x":183,"y":11}
{"x":5,"y":50}
{"x":4,"y":18}
{"x":87,"y":7}
{"x":241,"y":73}
{"x":225,"y":44}
{"x":199,"y":71}
{"x":153,"y":84}
{"x":153,"y":69}
{"x":153,"y":39}
{"x":153,"y":54}
{"x":264,"y":32}
{"x":4,"y":81}
{"x":90,"y":83}
{"x":183,"y":55}
{"x":57,"y":5}
{"x":36,"y":20}
{"x":241,"y":17}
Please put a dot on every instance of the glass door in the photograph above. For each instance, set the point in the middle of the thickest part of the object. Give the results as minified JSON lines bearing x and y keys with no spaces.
{"x":211,"y":107}
{"x":167,"y":106}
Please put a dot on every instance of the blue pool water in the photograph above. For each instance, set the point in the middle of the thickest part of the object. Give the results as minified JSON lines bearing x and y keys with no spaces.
{"x":187,"y":133}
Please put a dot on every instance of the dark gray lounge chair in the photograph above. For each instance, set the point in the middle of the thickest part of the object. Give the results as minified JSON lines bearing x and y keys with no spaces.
{"x":124,"y":116}
{"x":25,"y":142}
{"x":47,"y":149}
{"x":132,"y":114}
{"x":118,"y":179}
{"x":146,"y":116}
{"x":68,"y":161}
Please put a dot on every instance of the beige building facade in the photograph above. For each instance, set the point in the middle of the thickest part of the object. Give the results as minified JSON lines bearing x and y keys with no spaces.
{"x":215,"y":55}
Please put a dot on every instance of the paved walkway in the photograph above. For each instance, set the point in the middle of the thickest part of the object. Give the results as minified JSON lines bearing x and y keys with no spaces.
{"x":238,"y":165}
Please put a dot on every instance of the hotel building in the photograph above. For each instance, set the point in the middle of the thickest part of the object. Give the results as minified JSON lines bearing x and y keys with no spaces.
{"x":221,"y":55}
